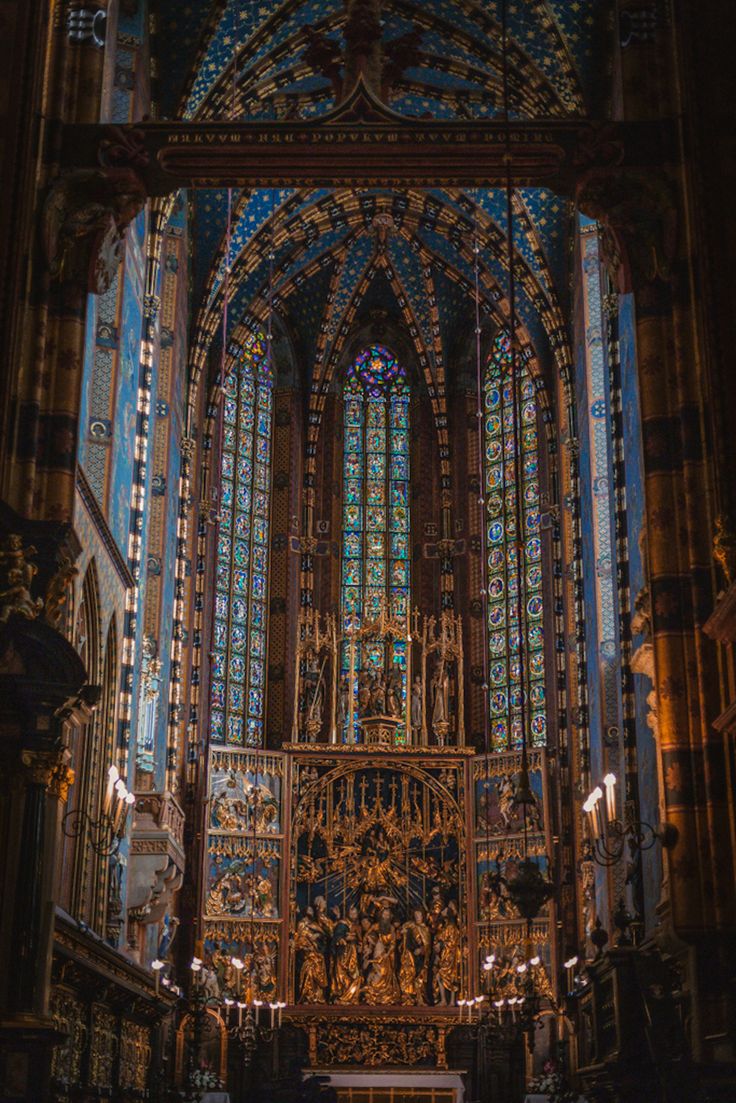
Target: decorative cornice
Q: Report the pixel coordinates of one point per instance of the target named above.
(721, 624)
(89, 951)
(433, 755)
(93, 508)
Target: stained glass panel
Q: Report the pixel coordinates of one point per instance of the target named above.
(500, 497)
(237, 696)
(375, 566)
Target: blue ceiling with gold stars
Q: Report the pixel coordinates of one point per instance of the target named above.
(332, 250)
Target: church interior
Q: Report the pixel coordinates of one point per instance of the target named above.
(367, 551)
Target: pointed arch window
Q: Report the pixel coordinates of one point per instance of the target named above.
(500, 458)
(376, 522)
(237, 699)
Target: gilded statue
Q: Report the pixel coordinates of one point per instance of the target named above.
(440, 692)
(265, 976)
(393, 708)
(382, 984)
(347, 976)
(447, 958)
(724, 548)
(310, 941)
(416, 944)
(378, 696)
(435, 907)
(364, 695)
(15, 597)
(416, 707)
(343, 703)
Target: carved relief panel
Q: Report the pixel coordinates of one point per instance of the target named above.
(502, 840)
(243, 899)
(378, 880)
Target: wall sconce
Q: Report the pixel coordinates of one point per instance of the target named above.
(105, 832)
(610, 836)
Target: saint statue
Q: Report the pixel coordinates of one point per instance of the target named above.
(343, 703)
(310, 941)
(317, 701)
(440, 684)
(416, 704)
(392, 699)
(346, 972)
(266, 976)
(447, 958)
(435, 907)
(416, 943)
(378, 696)
(382, 985)
(364, 695)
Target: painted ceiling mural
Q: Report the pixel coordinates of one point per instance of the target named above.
(409, 252)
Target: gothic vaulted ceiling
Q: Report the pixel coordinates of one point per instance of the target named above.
(335, 253)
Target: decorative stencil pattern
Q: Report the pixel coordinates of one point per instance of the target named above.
(505, 446)
(238, 674)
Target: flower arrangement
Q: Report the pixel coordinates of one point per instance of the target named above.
(204, 1080)
(552, 1084)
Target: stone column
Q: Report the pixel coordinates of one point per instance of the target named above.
(41, 694)
(47, 780)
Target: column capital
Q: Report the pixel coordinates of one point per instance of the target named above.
(50, 769)
(88, 210)
(637, 213)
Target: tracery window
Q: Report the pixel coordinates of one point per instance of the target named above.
(238, 673)
(376, 523)
(500, 496)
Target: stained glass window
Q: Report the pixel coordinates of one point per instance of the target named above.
(375, 551)
(238, 669)
(503, 613)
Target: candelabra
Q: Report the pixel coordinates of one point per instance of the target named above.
(516, 1014)
(104, 832)
(609, 836)
(252, 1024)
(248, 1020)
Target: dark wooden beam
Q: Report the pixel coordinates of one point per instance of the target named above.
(365, 144)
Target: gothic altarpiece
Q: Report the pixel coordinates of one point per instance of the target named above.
(341, 871)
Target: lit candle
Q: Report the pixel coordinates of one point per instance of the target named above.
(281, 1013)
(239, 966)
(461, 1005)
(228, 1005)
(157, 966)
(610, 783)
(592, 809)
(240, 1013)
(112, 776)
(273, 1007)
(258, 1004)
